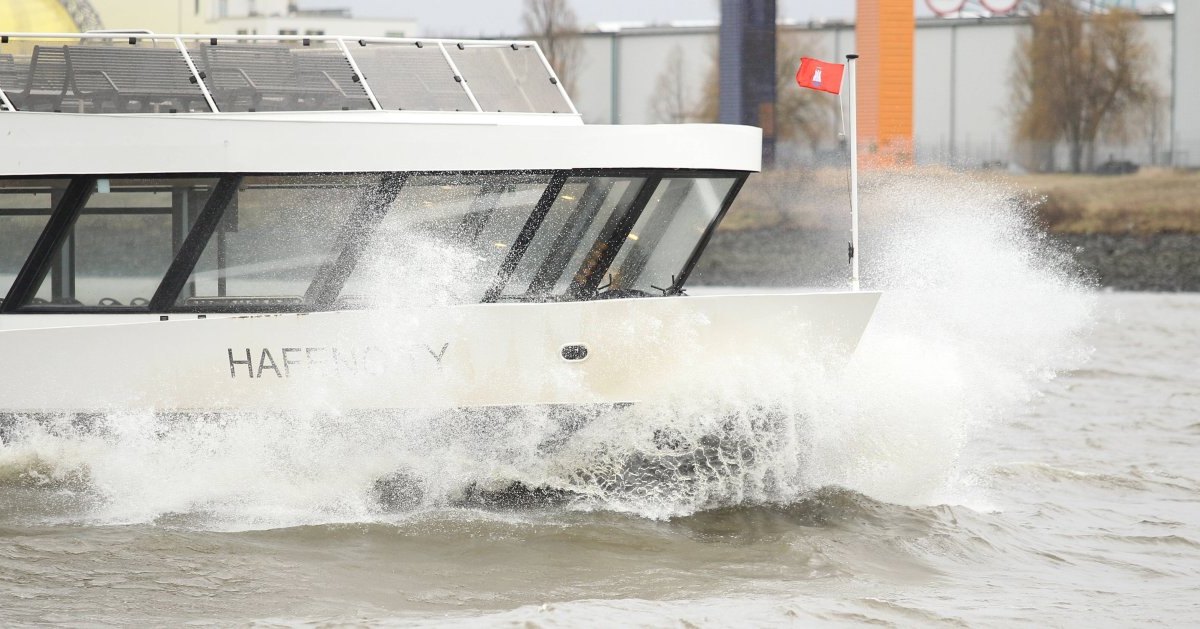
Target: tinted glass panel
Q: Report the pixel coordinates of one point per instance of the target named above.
(667, 233)
(272, 239)
(123, 241)
(25, 206)
(403, 76)
(444, 239)
(504, 78)
(99, 75)
(268, 75)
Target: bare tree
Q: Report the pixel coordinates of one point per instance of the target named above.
(709, 107)
(1078, 76)
(669, 102)
(554, 25)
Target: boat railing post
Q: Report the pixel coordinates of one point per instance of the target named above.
(459, 77)
(362, 79)
(852, 62)
(212, 104)
(8, 106)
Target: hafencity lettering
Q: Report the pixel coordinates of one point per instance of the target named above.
(286, 362)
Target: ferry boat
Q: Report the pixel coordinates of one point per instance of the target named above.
(232, 223)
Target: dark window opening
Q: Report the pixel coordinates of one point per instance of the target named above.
(25, 206)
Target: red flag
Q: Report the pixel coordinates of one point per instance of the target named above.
(820, 75)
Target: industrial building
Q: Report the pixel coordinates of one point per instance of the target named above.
(961, 83)
(633, 73)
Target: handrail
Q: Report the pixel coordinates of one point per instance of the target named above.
(212, 104)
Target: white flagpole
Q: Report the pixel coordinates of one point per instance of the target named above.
(851, 62)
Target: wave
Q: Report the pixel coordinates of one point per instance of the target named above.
(979, 312)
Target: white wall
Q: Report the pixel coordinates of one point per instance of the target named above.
(1187, 82)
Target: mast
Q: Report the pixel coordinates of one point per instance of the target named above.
(852, 62)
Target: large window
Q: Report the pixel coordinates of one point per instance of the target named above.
(444, 238)
(667, 232)
(254, 243)
(121, 242)
(274, 235)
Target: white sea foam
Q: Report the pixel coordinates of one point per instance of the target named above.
(977, 313)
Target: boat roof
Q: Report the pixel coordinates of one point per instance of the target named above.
(136, 102)
(135, 72)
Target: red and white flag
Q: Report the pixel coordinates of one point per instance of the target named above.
(820, 75)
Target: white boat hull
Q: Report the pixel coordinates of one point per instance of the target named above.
(454, 357)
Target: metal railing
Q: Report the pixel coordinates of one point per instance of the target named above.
(551, 91)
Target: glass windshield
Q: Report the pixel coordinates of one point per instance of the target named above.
(569, 232)
(667, 232)
(311, 242)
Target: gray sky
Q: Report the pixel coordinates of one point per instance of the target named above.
(503, 17)
(467, 18)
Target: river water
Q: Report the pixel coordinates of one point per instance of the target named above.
(1006, 447)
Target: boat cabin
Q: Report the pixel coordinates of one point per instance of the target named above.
(168, 173)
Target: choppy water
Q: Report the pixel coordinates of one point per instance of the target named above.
(1006, 447)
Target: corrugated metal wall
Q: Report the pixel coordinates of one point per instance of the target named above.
(960, 75)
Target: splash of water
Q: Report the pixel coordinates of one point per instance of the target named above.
(979, 310)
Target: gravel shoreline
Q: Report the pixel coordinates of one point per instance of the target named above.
(782, 257)
(1155, 262)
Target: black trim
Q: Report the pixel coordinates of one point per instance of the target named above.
(509, 266)
(331, 278)
(63, 309)
(458, 174)
(193, 246)
(55, 233)
(615, 238)
(702, 244)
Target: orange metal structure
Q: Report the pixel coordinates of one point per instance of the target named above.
(884, 35)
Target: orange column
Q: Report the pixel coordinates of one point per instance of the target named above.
(884, 33)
